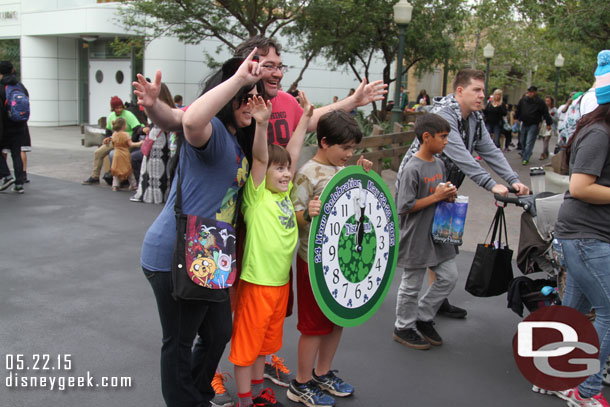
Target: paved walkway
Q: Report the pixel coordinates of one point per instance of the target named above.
(72, 285)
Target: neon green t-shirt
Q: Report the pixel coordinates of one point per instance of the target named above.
(271, 235)
(130, 119)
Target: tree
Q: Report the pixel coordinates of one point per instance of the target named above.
(356, 33)
(229, 21)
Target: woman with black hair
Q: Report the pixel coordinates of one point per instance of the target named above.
(212, 168)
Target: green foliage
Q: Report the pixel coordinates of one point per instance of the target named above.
(192, 21)
(9, 51)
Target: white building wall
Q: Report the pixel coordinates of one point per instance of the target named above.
(49, 69)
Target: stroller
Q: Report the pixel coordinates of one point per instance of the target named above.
(536, 253)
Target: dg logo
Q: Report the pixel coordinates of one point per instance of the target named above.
(556, 348)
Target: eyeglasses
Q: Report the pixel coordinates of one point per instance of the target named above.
(272, 68)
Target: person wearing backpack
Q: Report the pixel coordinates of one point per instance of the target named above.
(14, 113)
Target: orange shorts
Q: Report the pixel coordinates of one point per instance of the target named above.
(258, 322)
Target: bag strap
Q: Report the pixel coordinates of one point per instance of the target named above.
(494, 225)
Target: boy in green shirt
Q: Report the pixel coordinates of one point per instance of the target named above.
(262, 294)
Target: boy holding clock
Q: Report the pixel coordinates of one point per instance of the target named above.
(337, 133)
(420, 186)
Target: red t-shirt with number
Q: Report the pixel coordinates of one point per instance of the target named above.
(285, 116)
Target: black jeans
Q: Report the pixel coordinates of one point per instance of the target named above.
(12, 142)
(186, 376)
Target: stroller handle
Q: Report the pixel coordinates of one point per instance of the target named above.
(526, 201)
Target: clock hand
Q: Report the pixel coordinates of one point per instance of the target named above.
(360, 230)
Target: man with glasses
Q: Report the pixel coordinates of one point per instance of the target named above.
(286, 111)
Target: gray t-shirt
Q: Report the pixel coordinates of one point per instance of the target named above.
(590, 155)
(417, 250)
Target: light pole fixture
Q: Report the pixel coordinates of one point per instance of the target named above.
(488, 53)
(559, 61)
(402, 17)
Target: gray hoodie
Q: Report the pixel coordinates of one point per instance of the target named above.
(460, 151)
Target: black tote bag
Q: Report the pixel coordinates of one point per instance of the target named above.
(491, 271)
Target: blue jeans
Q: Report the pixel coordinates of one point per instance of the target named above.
(527, 138)
(186, 376)
(588, 286)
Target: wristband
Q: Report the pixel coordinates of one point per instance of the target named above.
(306, 215)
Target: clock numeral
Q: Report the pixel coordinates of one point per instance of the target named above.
(335, 276)
(378, 265)
(370, 208)
(378, 221)
(344, 210)
(381, 244)
(332, 252)
(357, 292)
(345, 286)
(369, 284)
(335, 229)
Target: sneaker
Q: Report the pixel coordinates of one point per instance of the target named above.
(309, 394)
(91, 181)
(426, 328)
(540, 390)
(277, 372)
(19, 189)
(266, 398)
(575, 400)
(135, 199)
(409, 337)
(451, 311)
(524, 162)
(333, 384)
(6, 182)
(222, 398)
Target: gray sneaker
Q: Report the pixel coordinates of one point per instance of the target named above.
(222, 397)
(6, 182)
(18, 189)
(277, 372)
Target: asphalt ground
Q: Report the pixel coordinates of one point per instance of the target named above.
(73, 290)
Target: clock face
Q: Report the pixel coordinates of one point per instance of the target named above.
(353, 245)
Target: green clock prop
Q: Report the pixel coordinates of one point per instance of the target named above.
(353, 246)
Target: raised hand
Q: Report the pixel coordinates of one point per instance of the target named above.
(314, 207)
(307, 107)
(371, 92)
(259, 109)
(145, 91)
(249, 71)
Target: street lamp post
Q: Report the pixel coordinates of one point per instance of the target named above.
(559, 61)
(402, 17)
(488, 53)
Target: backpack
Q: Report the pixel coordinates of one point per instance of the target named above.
(567, 126)
(17, 103)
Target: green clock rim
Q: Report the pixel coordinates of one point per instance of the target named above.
(343, 316)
